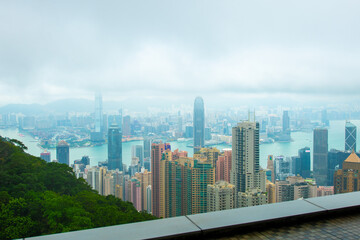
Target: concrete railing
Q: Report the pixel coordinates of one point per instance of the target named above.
(223, 222)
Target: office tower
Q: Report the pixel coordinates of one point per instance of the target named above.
(245, 169)
(46, 156)
(85, 160)
(189, 132)
(347, 179)
(115, 148)
(63, 152)
(97, 135)
(156, 155)
(199, 124)
(126, 126)
(271, 190)
(147, 147)
(119, 119)
(179, 131)
(350, 137)
(335, 162)
(320, 156)
(115, 119)
(286, 122)
(324, 119)
(304, 156)
(207, 134)
(137, 151)
(147, 164)
(220, 196)
(270, 166)
(98, 113)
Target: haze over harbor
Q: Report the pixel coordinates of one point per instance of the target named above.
(99, 153)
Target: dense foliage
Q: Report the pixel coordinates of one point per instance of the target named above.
(38, 198)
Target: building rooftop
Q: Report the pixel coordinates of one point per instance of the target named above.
(63, 143)
(353, 158)
(329, 217)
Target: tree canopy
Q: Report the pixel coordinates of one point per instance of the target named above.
(38, 198)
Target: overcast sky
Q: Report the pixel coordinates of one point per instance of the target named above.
(176, 50)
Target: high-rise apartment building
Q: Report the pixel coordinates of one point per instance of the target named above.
(245, 169)
(115, 148)
(202, 174)
(350, 137)
(137, 151)
(220, 196)
(271, 190)
(223, 166)
(270, 166)
(295, 187)
(320, 156)
(199, 124)
(63, 152)
(157, 178)
(145, 181)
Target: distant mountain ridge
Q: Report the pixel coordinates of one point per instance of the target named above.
(59, 106)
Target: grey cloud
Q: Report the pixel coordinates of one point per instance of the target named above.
(53, 50)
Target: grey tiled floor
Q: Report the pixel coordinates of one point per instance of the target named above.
(339, 227)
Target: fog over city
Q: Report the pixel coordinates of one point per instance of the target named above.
(153, 53)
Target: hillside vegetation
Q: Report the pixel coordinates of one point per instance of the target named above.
(38, 198)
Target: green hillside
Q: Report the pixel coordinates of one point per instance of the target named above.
(38, 198)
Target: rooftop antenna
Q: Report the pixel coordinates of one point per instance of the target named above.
(249, 115)
(254, 115)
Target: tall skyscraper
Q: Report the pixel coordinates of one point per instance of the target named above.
(45, 156)
(126, 126)
(320, 156)
(115, 148)
(350, 137)
(98, 113)
(304, 156)
(147, 147)
(199, 124)
(286, 122)
(63, 152)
